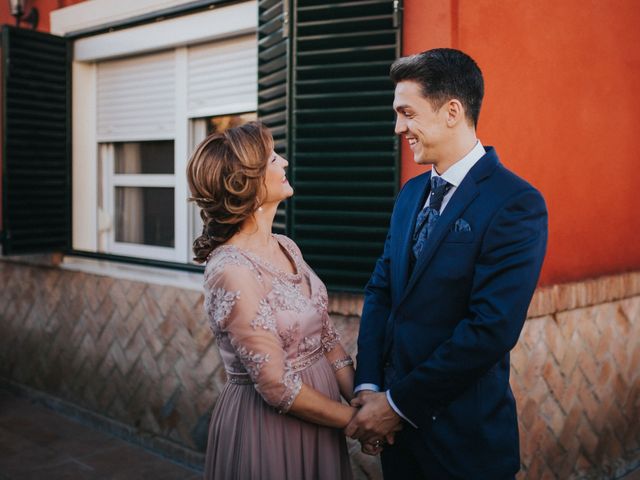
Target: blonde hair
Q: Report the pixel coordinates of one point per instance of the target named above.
(226, 175)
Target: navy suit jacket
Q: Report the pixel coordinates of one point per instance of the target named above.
(446, 328)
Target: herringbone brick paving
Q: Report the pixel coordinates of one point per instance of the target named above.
(143, 354)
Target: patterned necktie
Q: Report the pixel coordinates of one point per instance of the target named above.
(429, 215)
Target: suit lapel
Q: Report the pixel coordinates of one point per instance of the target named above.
(400, 258)
(407, 234)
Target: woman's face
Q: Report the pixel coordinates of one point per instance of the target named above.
(278, 187)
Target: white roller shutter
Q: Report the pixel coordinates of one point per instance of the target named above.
(222, 77)
(136, 98)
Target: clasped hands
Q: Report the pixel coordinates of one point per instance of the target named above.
(375, 424)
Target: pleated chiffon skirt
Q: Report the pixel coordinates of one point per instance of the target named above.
(248, 439)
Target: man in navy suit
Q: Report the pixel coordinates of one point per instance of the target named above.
(449, 295)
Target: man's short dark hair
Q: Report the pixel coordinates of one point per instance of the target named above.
(444, 74)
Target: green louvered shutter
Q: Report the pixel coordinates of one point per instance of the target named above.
(324, 89)
(35, 135)
(274, 84)
(345, 150)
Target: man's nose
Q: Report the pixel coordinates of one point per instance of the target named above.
(401, 126)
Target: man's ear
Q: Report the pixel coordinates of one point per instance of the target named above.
(455, 112)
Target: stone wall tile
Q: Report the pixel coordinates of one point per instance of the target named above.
(164, 296)
(557, 298)
(555, 381)
(552, 415)
(144, 354)
(345, 304)
(632, 372)
(168, 326)
(134, 292)
(118, 296)
(553, 338)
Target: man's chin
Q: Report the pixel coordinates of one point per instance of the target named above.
(418, 160)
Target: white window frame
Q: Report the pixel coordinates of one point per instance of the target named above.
(177, 33)
(111, 181)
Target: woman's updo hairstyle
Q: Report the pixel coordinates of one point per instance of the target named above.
(226, 175)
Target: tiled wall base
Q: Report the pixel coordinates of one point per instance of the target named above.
(142, 355)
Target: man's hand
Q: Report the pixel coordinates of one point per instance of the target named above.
(375, 420)
(360, 398)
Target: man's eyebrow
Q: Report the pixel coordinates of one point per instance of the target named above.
(401, 107)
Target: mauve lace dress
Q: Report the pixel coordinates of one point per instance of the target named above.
(273, 332)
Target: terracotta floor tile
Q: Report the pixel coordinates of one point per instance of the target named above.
(37, 443)
(69, 470)
(635, 475)
(130, 462)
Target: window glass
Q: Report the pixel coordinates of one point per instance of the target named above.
(220, 123)
(144, 157)
(145, 215)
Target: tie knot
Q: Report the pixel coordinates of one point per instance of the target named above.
(439, 188)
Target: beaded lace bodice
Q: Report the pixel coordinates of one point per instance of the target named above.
(269, 324)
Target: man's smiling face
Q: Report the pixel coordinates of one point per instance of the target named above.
(424, 128)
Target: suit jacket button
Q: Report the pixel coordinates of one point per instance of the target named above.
(433, 418)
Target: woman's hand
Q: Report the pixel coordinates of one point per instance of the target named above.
(373, 447)
(315, 407)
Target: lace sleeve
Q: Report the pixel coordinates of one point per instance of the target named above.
(248, 319)
(330, 336)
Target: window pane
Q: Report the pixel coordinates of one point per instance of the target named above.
(145, 215)
(144, 157)
(221, 123)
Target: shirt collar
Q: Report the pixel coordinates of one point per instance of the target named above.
(456, 172)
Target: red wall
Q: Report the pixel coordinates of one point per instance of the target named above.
(562, 102)
(44, 8)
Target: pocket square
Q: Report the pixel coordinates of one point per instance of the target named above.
(461, 225)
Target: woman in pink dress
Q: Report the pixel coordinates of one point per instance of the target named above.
(279, 415)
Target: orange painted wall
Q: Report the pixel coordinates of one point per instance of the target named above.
(562, 108)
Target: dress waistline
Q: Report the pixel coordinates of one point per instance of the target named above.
(297, 365)
(306, 361)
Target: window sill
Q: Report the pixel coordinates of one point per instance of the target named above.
(139, 273)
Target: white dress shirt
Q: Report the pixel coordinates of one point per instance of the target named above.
(456, 172)
(454, 175)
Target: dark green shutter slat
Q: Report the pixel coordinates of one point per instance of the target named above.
(343, 170)
(36, 169)
(274, 82)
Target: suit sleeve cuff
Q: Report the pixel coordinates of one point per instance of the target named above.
(397, 410)
(366, 386)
